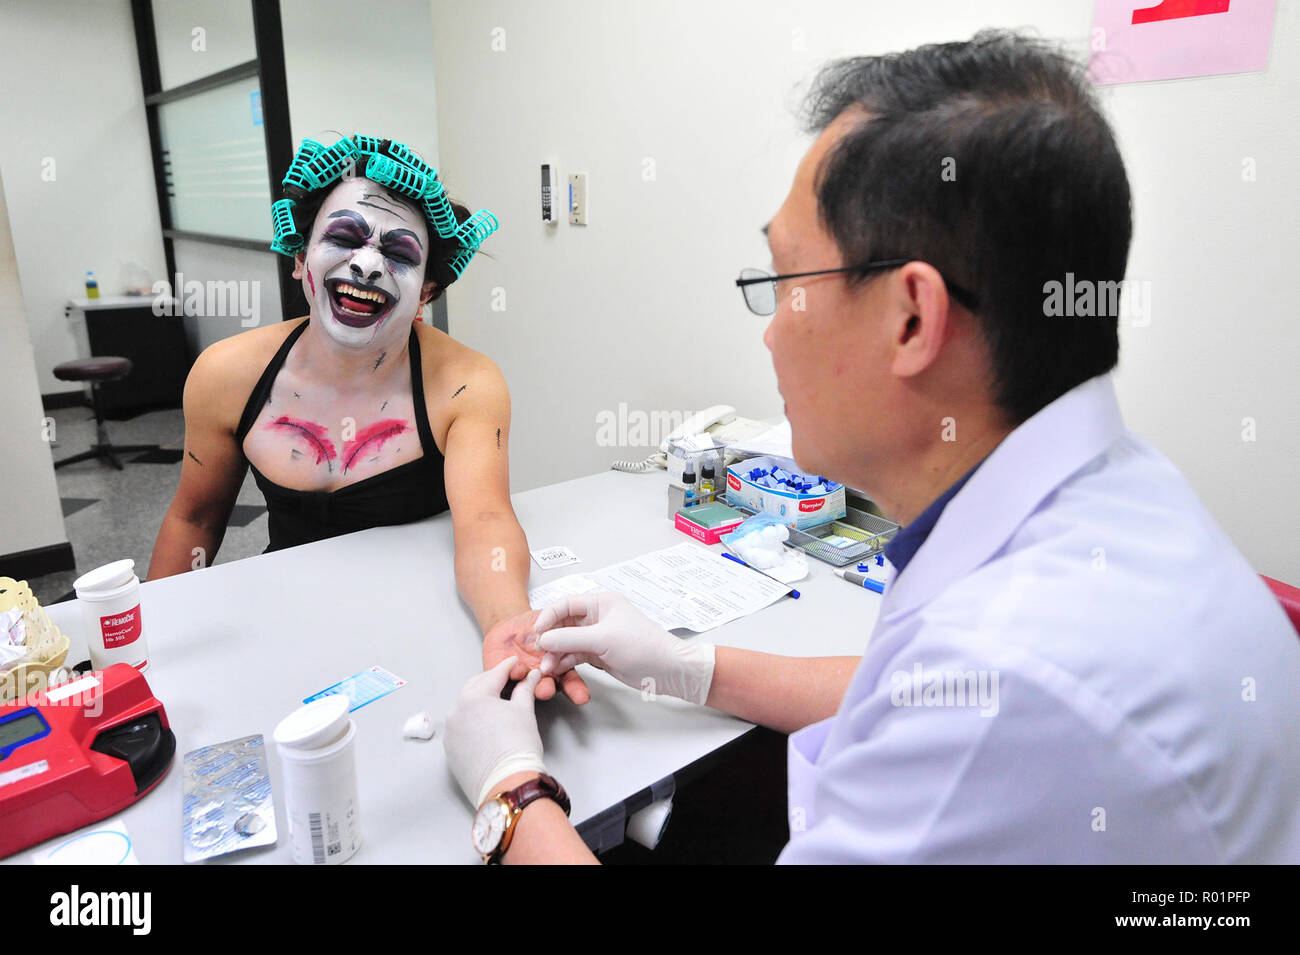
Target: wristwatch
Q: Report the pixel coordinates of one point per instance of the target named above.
(494, 823)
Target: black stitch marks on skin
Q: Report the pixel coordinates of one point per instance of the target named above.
(295, 454)
(498, 437)
(460, 389)
(322, 452)
(383, 406)
(380, 360)
(296, 395)
(196, 460)
(379, 436)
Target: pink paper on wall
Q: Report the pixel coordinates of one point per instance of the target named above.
(1135, 40)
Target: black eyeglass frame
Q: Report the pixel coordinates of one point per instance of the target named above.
(963, 297)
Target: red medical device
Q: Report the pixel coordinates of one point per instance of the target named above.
(78, 752)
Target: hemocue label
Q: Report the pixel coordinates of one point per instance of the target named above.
(120, 629)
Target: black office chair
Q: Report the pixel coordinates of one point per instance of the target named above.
(96, 371)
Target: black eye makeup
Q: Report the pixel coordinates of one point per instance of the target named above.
(400, 245)
(401, 252)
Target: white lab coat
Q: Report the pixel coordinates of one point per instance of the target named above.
(1147, 698)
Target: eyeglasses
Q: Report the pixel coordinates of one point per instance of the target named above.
(758, 286)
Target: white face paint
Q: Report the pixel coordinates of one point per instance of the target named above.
(371, 243)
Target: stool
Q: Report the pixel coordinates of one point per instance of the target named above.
(95, 371)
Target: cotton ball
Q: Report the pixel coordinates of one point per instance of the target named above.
(419, 726)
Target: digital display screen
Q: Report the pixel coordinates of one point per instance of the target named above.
(25, 727)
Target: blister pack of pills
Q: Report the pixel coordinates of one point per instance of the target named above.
(227, 803)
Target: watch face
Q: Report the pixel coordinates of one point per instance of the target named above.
(489, 826)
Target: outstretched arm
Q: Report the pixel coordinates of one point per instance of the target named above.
(491, 549)
(211, 473)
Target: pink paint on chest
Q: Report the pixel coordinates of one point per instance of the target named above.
(372, 436)
(314, 434)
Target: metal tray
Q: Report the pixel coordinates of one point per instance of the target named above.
(871, 534)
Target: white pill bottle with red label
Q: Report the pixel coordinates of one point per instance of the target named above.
(110, 611)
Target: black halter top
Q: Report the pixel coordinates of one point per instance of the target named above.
(406, 493)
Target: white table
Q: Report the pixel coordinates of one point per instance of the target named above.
(237, 646)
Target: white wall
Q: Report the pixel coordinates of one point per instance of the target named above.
(600, 315)
(352, 71)
(30, 513)
(1220, 254)
(73, 96)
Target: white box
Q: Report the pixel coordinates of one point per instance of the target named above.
(798, 510)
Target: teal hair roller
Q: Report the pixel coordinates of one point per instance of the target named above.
(476, 228)
(297, 177)
(287, 239)
(389, 172)
(403, 155)
(439, 211)
(459, 261)
(368, 144)
(329, 165)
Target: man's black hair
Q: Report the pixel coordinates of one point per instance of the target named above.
(990, 160)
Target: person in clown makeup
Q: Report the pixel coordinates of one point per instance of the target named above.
(357, 415)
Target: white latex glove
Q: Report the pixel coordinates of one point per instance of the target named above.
(488, 738)
(605, 630)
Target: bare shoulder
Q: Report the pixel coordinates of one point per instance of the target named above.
(226, 371)
(459, 381)
(449, 366)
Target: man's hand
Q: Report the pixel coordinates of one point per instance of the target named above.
(506, 639)
(607, 631)
(488, 739)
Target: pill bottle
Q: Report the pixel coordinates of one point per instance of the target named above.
(317, 748)
(110, 612)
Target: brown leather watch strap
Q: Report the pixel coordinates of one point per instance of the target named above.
(542, 787)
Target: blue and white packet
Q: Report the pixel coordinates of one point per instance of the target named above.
(226, 801)
(362, 688)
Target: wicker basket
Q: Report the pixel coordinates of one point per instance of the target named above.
(49, 645)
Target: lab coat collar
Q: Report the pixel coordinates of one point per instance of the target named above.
(1029, 464)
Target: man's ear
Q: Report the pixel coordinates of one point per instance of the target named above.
(427, 292)
(298, 263)
(919, 310)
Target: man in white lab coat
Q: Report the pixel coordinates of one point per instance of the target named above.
(1071, 663)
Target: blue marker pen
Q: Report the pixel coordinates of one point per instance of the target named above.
(861, 580)
(793, 593)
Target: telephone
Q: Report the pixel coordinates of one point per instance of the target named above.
(720, 421)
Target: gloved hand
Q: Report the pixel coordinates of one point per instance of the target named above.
(605, 630)
(488, 738)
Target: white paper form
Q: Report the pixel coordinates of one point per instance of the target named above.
(551, 591)
(682, 587)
